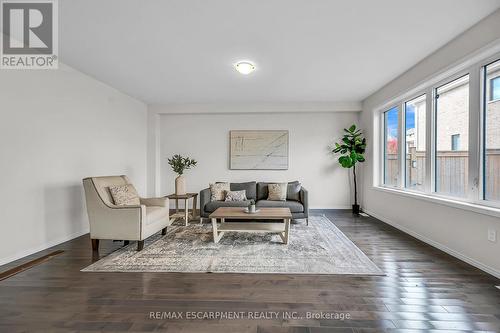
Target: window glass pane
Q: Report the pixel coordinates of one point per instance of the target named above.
(455, 142)
(492, 134)
(495, 87)
(452, 131)
(391, 160)
(415, 143)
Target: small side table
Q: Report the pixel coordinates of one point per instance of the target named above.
(185, 214)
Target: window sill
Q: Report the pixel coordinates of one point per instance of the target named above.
(481, 209)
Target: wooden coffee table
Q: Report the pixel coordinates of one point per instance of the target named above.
(224, 213)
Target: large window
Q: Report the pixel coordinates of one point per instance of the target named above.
(442, 139)
(491, 152)
(415, 114)
(452, 136)
(391, 156)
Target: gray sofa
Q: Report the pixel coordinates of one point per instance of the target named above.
(297, 202)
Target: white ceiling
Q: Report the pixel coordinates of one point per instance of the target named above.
(182, 51)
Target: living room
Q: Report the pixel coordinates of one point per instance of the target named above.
(265, 166)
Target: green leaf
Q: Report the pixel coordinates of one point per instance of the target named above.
(352, 128)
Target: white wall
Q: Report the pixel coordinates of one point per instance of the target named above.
(460, 232)
(205, 137)
(57, 127)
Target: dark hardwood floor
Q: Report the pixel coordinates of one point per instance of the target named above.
(425, 290)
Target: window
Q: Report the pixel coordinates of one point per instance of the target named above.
(455, 142)
(452, 118)
(415, 143)
(495, 89)
(491, 151)
(391, 158)
(442, 138)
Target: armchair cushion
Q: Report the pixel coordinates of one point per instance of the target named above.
(124, 195)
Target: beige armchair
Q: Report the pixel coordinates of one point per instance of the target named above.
(129, 223)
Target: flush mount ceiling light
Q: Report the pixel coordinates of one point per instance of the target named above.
(244, 67)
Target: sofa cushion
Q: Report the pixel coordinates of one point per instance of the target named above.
(262, 191)
(249, 187)
(213, 205)
(293, 191)
(236, 196)
(277, 191)
(295, 206)
(124, 195)
(218, 191)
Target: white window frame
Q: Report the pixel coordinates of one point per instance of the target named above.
(428, 106)
(484, 100)
(474, 66)
(383, 145)
(472, 139)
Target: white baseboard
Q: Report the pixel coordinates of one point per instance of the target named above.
(42, 247)
(331, 207)
(444, 248)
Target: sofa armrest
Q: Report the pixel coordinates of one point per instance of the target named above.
(304, 198)
(162, 202)
(204, 199)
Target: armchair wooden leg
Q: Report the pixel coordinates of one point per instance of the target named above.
(307, 221)
(95, 245)
(125, 243)
(140, 245)
(164, 231)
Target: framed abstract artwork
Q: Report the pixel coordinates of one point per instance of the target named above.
(258, 150)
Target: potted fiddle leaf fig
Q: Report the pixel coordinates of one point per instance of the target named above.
(179, 164)
(351, 149)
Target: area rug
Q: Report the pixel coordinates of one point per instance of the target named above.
(320, 248)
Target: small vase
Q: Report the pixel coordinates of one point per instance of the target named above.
(251, 209)
(180, 185)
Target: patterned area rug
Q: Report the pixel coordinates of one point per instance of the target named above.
(320, 248)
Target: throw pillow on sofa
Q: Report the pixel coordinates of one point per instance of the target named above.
(293, 191)
(236, 195)
(124, 195)
(218, 191)
(277, 192)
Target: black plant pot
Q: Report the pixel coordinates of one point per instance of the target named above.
(355, 209)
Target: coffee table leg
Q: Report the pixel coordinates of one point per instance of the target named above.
(186, 212)
(217, 236)
(287, 231)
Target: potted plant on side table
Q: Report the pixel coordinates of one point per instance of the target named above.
(352, 149)
(179, 164)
